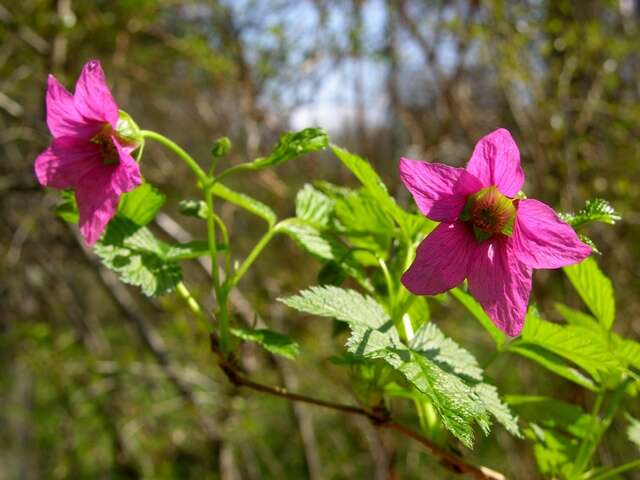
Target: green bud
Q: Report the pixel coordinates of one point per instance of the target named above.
(193, 208)
(128, 130)
(221, 147)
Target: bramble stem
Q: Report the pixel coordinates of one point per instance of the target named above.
(379, 416)
(179, 151)
(618, 470)
(221, 296)
(253, 255)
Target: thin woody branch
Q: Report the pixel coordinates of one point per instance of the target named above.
(380, 416)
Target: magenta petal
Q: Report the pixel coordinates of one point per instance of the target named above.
(63, 119)
(97, 202)
(542, 240)
(66, 161)
(127, 175)
(92, 98)
(441, 260)
(501, 284)
(496, 161)
(439, 191)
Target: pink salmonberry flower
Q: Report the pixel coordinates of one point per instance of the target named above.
(487, 234)
(87, 154)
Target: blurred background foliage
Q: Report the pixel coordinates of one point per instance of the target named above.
(99, 382)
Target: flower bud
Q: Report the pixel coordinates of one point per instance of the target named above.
(221, 147)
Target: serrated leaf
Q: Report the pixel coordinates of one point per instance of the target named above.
(554, 414)
(272, 341)
(626, 351)
(479, 314)
(433, 344)
(189, 250)
(595, 289)
(245, 202)
(67, 208)
(339, 303)
(364, 172)
(292, 145)
(584, 347)
(323, 247)
(553, 363)
(576, 317)
(313, 206)
(133, 252)
(633, 431)
(595, 210)
(554, 452)
(141, 204)
(501, 412)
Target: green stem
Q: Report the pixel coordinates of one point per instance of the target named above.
(253, 255)
(221, 296)
(618, 470)
(243, 167)
(175, 148)
(193, 305)
(582, 459)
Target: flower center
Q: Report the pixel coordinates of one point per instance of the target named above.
(489, 213)
(104, 140)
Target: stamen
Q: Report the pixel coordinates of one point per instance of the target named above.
(108, 150)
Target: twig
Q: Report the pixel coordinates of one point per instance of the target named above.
(379, 415)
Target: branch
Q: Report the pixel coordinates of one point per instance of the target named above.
(379, 415)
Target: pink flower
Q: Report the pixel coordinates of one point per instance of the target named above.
(487, 235)
(87, 154)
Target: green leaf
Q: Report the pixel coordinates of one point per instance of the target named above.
(313, 206)
(372, 182)
(432, 343)
(132, 251)
(67, 208)
(292, 145)
(141, 204)
(189, 250)
(246, 202)
(552, 363)
(193, 208)
(476, 310)
(339, 303)
(595, 210)
(633, 431)
(553, 414)
(554, 451)
(626, 351)
(576, 317)
(595, 289)
(272, 341)
(586, 348)
(323, 247)
(489, 396)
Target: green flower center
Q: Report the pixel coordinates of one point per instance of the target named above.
(107, 148)
(489, 213)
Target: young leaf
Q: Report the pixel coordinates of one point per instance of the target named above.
(595, 210)
(489, 396)
(141, 204)
(554, 451)
(292, 145)
(313, 206)
(246, 202)
(193, 208)
(189, 250)
(67, 208)
(476, 310)
(595, 289)
(342, 304)
(272, 341)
